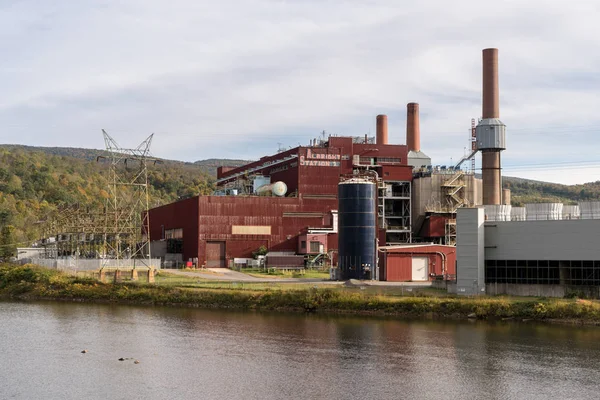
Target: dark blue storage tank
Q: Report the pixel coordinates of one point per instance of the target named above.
(357, 230)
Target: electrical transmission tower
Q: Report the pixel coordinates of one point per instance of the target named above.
(127, 230)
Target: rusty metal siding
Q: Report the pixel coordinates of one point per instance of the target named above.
(258, 163)
(398, 267)
(434, 227)
(320, 179)
(437, 226)
(215, 254)
(217, 214)
(395, 173)
(243, 248)
(387, 151)
(182, 214)
(343, 143)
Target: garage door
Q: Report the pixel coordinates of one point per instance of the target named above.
(419, 268)
(215, 254)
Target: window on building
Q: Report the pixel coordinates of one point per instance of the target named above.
(174, 233)
(315, 247)
(367, 160)
(388, 160)
(303, 244)
(174, 246)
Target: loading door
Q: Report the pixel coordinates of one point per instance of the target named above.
(419, 268)
(215, 254)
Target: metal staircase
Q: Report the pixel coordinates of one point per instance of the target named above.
(455, 192)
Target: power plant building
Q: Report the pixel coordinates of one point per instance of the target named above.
(540, 256)
(214, 230)
(288, 202)
(284, 201)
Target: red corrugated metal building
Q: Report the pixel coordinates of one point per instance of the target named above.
(417, 262)
(216, 229)
(315, 171)
(434, 226)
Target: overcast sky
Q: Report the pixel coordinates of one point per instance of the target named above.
(233, 79)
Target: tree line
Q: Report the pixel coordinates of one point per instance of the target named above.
(35, 183)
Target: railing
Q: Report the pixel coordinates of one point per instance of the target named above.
(81, 264)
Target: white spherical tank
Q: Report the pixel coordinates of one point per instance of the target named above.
(278, 189)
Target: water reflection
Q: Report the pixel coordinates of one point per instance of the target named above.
(191, 353)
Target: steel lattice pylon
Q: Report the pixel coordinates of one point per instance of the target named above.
(127, 230)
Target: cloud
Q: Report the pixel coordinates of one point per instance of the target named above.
(234, 79)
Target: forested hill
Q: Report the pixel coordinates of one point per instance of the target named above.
(209, 166)
(35, 181)
(527, 191)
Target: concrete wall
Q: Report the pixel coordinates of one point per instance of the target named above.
(470, 255)
(30, 252)
(512, 289)
(542, 240)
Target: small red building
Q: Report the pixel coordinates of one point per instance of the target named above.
(312, 243)
(417, 262)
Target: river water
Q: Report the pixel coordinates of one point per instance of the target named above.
(207, 354)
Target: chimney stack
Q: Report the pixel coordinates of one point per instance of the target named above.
(413, 130)
(506, 197)
(491, 132)
(491, 96)
(382, 129)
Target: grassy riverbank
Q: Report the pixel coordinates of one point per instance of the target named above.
(34, 283)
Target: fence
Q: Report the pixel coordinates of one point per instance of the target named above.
(75, 264)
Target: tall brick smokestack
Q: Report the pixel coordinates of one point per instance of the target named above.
(491, 95)
(413, 129)
(490, 150)
(382, 129)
